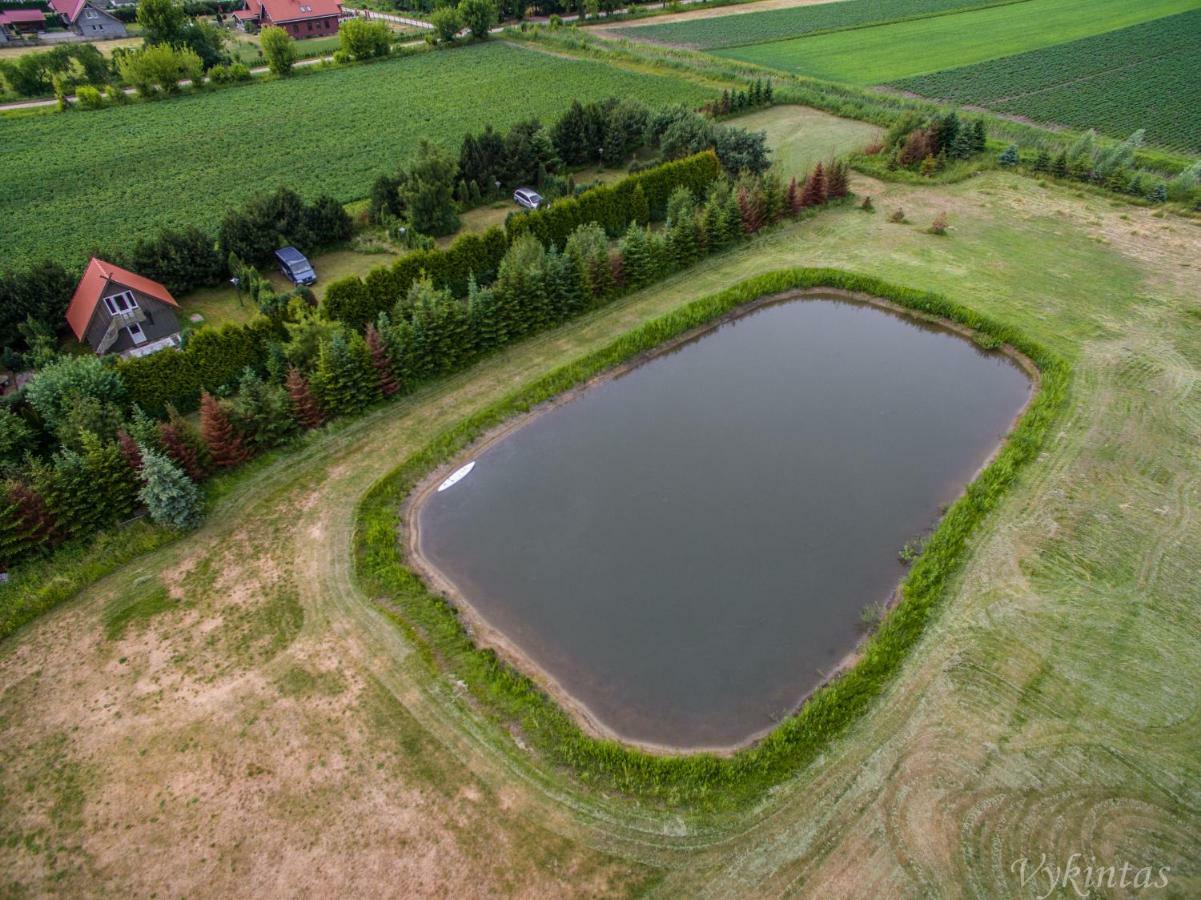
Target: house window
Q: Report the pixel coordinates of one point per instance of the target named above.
(121, 303)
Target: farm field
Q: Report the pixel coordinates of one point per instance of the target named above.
(1145, 76)
(238, 709)
(119, 174)
(884, 53)
(772, 25)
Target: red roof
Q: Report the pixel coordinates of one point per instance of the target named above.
(293, 10)
(13, 16)
(91, 288)
(68, 9)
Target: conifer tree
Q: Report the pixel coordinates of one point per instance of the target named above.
(381, 361)
(225, 445)
(129, 450)
(836, 185)
(634, 256)
(26, 525)
(171, 498)
(304, 402)
(814, 192)
(978, 136)
(345, 380)
(181, 443)
(114, 483)
(793, 197)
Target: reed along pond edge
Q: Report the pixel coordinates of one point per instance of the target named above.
(565, 737)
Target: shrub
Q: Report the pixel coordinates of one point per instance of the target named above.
(939, 225)
(280, 50)
(445, 20)
(89, 97)
(897, 216)
(170, 497)
(159, 67)
(479, 16)
(363, 39)
(1009, 156)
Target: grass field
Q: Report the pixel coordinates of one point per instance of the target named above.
(1145, 76)
(800, 137)
(887, 52)
(774, 25)
(122, 173)
(268, 729)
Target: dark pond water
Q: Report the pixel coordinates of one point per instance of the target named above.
(688, 547)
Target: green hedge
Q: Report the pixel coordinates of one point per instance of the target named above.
(210, 358)
(639, 197)
(358, 301)
(700, 780)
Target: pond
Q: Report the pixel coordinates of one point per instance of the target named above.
(685, 550)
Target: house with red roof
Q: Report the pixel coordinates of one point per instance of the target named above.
(114, 310)
(86, 17)
(21, 21)
(300, 18)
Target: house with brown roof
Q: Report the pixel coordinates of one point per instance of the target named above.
(118, 311)
(300, 18)
(86, 17)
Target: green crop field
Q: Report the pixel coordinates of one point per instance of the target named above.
(1145, 76)
(887, 52)
(778, 24)
(88, 180)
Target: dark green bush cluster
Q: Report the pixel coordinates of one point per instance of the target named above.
(270, 221)
(59, 69)
(699, 780)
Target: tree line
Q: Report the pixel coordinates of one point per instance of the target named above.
(84, 453)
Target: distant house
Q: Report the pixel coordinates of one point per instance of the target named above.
(117, 311)
(88, 19)
(21, 21)
(300, 18)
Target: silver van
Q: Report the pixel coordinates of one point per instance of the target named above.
(527, 197)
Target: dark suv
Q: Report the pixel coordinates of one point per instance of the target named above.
(296, 268)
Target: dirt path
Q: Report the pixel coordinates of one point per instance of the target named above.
(273, 733)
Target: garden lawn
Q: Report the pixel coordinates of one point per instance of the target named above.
(888, 52)
(86, 180)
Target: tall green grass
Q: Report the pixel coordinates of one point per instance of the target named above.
(699, 781)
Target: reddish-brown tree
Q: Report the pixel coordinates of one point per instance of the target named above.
(917, 147)
(793, 197)
(224, 443)
(304, 404)
(177, 446)
(381, 360)
(617, 270)
(814, 193)
(751, 209)
(836, 184)
(130, 451)
(33, 525)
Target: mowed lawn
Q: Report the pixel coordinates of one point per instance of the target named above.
(800, 136)
(901, 49)
(85, 180)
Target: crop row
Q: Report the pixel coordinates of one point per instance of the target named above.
(75, 182)
(777, 24)
(1144, 76)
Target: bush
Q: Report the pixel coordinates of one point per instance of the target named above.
(170, 497)
(88, 97)
(479, 16)
(280, 50)
(939, 225)
(1009, 156)
(159, 68)
(364, 39)
(445, 20)
(181, 260)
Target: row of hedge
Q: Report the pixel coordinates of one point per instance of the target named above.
(637, 198)
(701, 780)
(210, 358)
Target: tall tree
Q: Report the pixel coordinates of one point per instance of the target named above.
(280, 50)
(224, 443)
(304, 402)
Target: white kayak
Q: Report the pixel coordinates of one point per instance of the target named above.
(456, 476)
